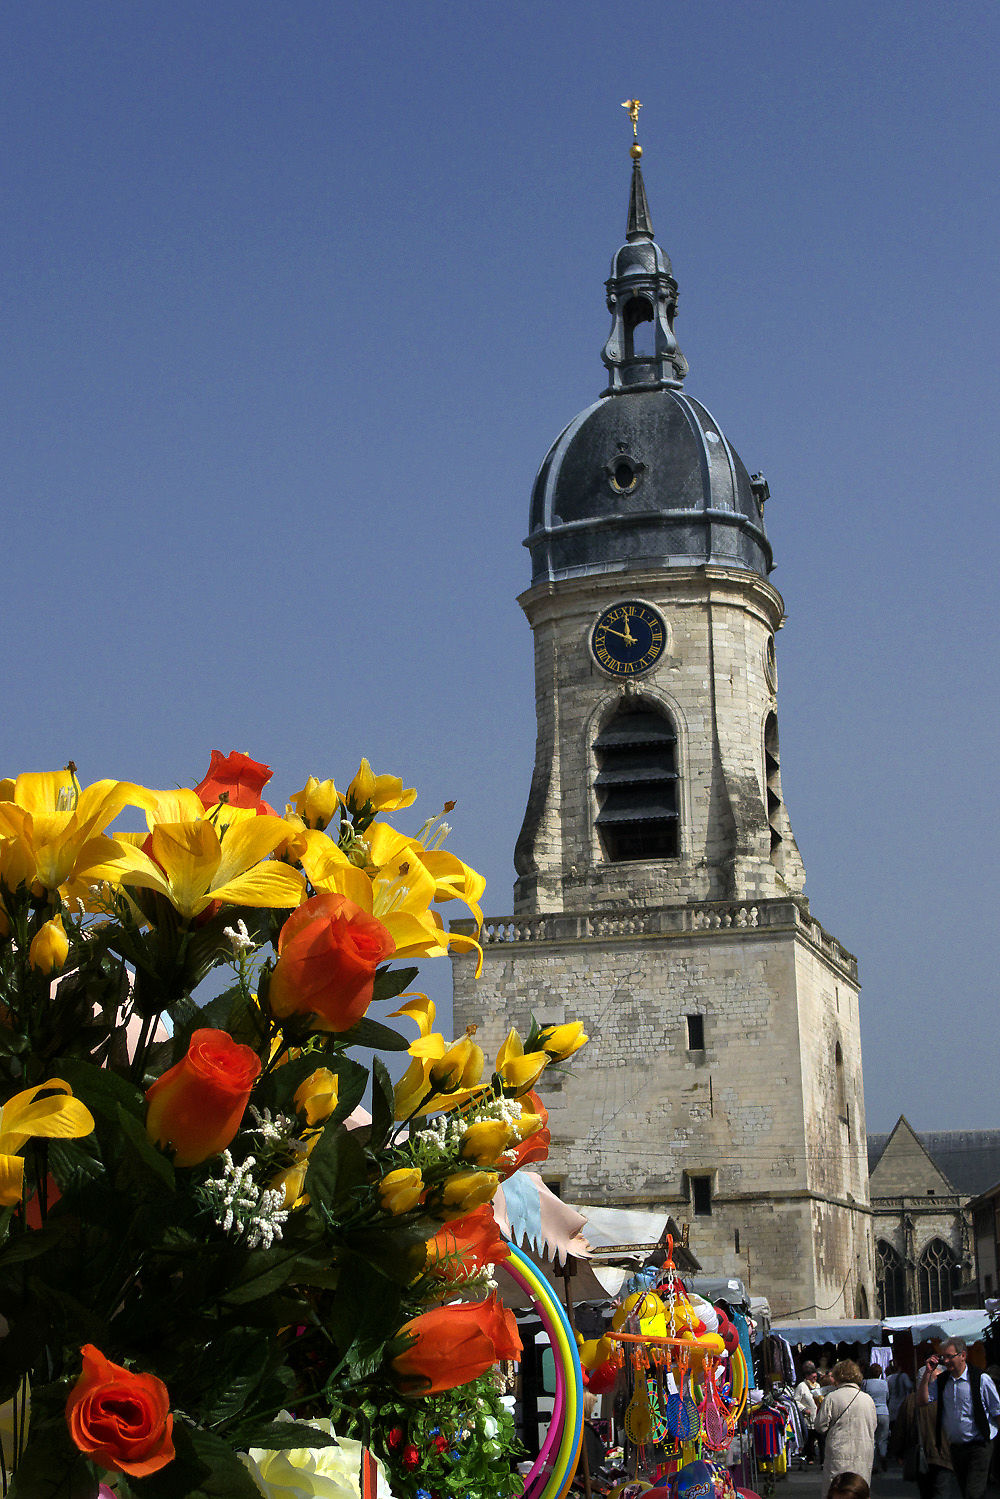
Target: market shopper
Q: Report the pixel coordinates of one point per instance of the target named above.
(808, 1397)
(848, 1486)
(900, 1385)
(914, 1440)
(847, 1418)
(877, 1386)
(968, 1413)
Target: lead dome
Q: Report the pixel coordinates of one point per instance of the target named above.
(645, 476)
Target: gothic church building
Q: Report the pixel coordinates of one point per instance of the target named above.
(659, 888)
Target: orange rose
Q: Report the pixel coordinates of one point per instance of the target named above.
(120, 1419)
(197, 1105)
(238, 778)
(467, 1244)
(453, 1344)
(328, 951)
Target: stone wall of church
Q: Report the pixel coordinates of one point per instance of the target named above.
(754, 1110)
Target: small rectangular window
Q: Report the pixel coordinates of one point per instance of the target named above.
(554, 1184)
(696, 1032)
(701, 1196)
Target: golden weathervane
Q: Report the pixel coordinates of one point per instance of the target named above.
(633, 106)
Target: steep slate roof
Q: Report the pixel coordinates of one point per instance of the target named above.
(970, 1159)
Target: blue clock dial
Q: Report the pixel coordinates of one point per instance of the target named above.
(628, 638)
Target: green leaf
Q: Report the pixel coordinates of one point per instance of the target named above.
(264, 1271)
(28, 1246)
(373, 1033)
(336, 1166)
(383, 1104)
(52, 1468)
(151, 1159)
(277, 1436)
(205, 1467)
(390, 982)
(102, 1090)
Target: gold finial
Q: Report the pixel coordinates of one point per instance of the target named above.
(633, 106)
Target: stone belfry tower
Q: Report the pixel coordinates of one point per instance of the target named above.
(659, 887)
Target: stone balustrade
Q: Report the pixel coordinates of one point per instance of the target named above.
(662, 921)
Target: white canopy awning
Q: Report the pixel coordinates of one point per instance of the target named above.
(958, 1323)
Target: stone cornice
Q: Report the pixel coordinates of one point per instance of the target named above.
(682, 585)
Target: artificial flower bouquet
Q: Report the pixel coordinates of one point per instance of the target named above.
(228, 1245)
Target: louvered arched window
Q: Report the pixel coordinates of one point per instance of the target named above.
(636, 754)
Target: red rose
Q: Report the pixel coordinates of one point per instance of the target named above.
(328, 951)
(465, 1245)
(411, 1457)
(236, 777)
(120, 1419)
(198, 1104)
(453, 1344)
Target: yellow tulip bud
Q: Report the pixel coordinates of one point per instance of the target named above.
(316, 803)
(49, 947)
(317, 1096)
(484, 1141)
(291, 1181)
(401, 1190)
(383, 793)
(561, 1041)
(447, 1072)
(518, 1072)
(467, 1190)
(529, 1124)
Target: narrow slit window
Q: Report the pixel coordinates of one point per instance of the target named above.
(701, 1196)
(696, 1032)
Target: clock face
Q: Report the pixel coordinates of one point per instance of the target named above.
(628, 639)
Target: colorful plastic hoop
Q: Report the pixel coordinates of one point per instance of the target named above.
(552, 1471)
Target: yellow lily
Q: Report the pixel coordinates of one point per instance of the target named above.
(398, 891)
(193, 866)
(428, 1051)
(383, 793)
(519, 1072)
(26, 1116)
(60, 824)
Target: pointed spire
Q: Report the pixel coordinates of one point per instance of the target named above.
(638, 225)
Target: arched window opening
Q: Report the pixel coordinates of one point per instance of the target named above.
(937, 1277)
(640, 334)
(636, 785)
(890, 1280)
(772, 784)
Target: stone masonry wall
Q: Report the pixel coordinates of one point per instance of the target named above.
(641, 1113)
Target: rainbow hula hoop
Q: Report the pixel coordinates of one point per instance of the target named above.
(552, 1471)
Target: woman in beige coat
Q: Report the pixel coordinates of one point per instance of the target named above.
(848, 1418)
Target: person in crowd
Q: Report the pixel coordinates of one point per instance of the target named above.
(808, 1398)
(877, 1386)
(848, 1486)
(848, 1420)
(968, 1413)
(914, 1440)
(900, 1385)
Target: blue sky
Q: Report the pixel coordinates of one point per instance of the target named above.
(296, 297)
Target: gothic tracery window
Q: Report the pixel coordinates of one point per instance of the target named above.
(937, 1277)
(890, 1280)
(636, 785)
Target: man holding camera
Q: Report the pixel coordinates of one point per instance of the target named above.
(968, 1413)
